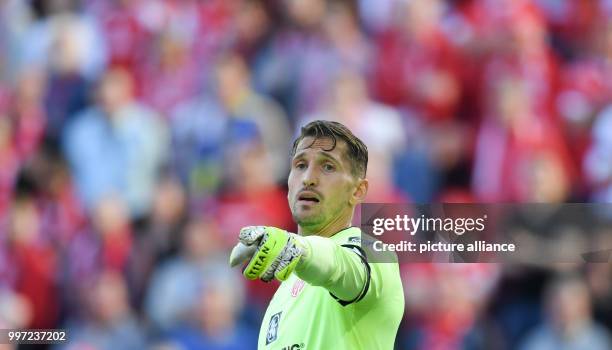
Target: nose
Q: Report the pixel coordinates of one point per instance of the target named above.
(310, 178)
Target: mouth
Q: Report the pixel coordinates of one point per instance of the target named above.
(308, 197)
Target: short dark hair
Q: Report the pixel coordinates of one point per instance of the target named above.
(357, 151)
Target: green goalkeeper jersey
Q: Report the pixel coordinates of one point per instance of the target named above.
(307, 316)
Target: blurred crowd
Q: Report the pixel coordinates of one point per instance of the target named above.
(138, 136)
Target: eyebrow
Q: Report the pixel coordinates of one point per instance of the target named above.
(325, 154)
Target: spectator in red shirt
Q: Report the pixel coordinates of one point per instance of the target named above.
(36, 263)
(417, 67)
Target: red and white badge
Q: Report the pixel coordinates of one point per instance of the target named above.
(297, 287)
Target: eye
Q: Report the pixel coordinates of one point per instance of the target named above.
(300, 165)
(329, 167)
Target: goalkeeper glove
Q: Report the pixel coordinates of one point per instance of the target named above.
(272, 252)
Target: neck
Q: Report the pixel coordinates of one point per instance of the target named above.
(328, 229)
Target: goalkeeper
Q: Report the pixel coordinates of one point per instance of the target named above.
(330, 297)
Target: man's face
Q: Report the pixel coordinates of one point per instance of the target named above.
(320, 183)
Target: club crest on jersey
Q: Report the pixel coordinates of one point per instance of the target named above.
(297, 287)
(356, 240)
(273, 328)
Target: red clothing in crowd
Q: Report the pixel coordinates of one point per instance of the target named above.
(9, 167)
(37, 267)
(420, 73)
(30, 130)
(126, 38)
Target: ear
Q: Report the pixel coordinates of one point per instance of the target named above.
(360, 192)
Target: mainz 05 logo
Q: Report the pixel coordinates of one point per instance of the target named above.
(300, 346)
(273, 328)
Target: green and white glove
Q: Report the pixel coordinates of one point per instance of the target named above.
(270, 252)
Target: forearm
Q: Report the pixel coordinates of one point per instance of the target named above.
(333, 267)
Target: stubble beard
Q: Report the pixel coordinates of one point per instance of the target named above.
(307, 220)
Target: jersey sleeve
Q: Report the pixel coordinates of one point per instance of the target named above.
(341, 269)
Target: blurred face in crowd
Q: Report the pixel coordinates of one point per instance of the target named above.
(323, 190)
(5, 132)
(341, 25)
(24, 222)
(16, 310)
(306, 13)
(569, 306)
(30, 87)
(546, 180)
(110, 216)
(201, 240)
(232, 79)
(172, 51)
(252, 163)
(252, 21)
(115, 90)
(448, 144)
(217, 309)
(512, 101)
(530, 33)
(349, 94)
(109, 299)
(422, 16)
(67, 54)
(169, 202)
